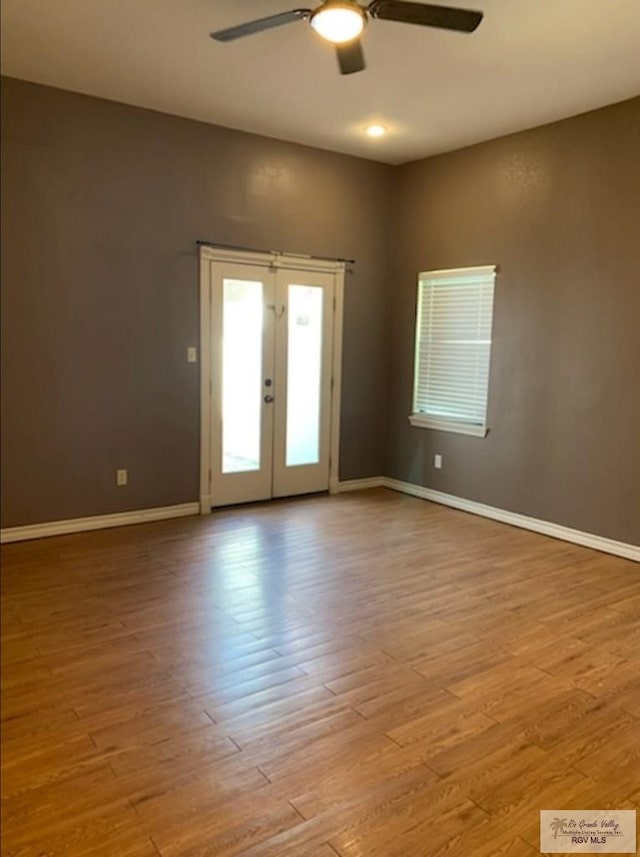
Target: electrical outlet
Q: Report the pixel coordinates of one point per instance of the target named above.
(192, 355)
(122, 477)
(437, 462)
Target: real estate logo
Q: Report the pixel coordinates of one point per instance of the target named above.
(588, 831)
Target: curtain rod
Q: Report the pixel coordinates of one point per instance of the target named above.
(202, 243)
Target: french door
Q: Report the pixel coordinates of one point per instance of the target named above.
(271, 362)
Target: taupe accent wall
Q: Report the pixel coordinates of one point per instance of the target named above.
(102, 204)
(557, 208)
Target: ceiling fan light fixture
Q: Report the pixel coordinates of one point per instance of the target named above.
(338, 22)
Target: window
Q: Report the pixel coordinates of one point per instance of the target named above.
(453, 349)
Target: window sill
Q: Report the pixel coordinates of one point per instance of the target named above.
(423, 421)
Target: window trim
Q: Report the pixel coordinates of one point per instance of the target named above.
(431, 421)
(424, 421)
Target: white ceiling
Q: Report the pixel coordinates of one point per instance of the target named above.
(530, 62)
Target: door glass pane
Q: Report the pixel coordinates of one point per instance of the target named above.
(304, 365)
(241, 375)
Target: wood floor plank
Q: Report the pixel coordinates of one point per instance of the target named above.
(48, 762)
(365, 675)
(243, 824)
(417, 785)
(403, 826)
(359, 769)
(177, 800)
(43, 807)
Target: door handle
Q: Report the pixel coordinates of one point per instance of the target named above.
(268, 399)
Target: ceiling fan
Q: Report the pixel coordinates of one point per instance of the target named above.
(342, 22)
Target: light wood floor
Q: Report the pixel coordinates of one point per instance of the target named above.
(366, 675)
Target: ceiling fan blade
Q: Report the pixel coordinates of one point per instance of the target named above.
(350, 57)
(426, 15)
(259, 25)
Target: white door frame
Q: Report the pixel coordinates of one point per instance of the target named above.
(273, 260)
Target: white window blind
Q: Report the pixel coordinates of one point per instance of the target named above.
(453, 349)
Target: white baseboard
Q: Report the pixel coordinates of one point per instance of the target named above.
(97, 522)
(547, 528)
(357, 484)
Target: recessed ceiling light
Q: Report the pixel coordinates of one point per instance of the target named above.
(375, 130)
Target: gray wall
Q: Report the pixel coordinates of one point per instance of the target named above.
(558, 209)
(102, 204)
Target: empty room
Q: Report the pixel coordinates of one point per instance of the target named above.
(320, 428)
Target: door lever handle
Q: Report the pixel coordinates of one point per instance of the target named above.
(278, 312)
(268, 399)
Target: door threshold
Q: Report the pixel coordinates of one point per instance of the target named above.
(270, 501)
